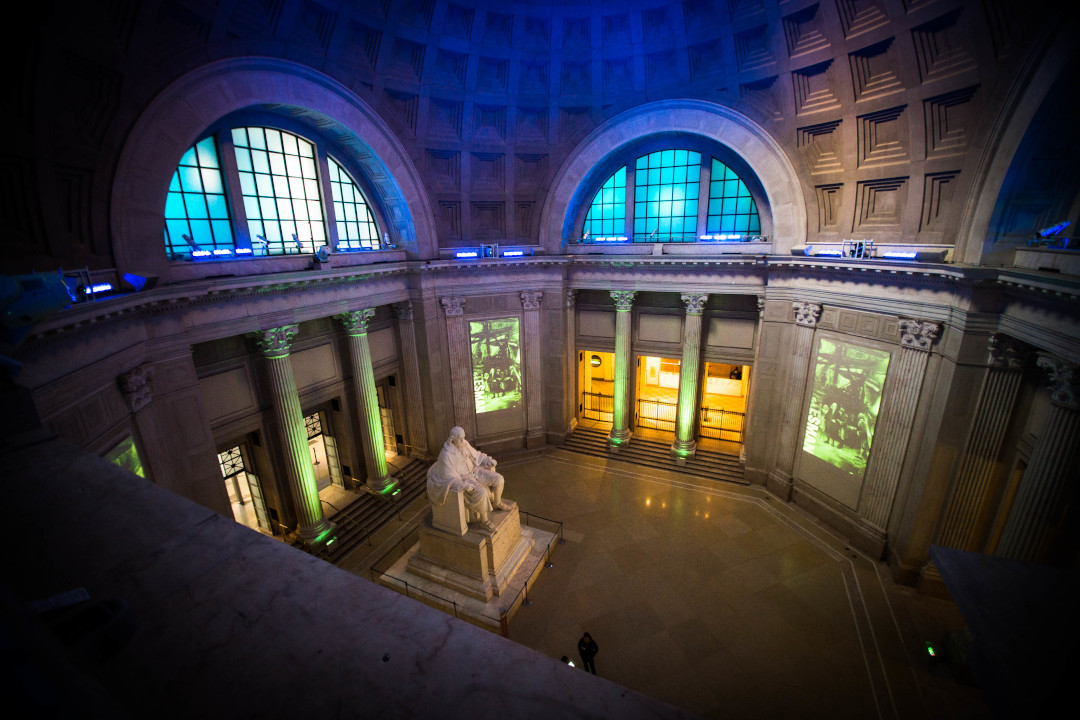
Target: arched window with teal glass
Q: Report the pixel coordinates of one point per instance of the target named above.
(607, 214)
(666, 196)
(356, 228)
(196, 211)
(281, 190)
(732, 210)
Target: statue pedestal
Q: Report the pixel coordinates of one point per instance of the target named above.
(477, 564)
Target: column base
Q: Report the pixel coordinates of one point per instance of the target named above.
(683, 450)
(618, 438)
(384, 485)
(317, 533)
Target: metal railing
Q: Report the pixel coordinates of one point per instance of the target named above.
(365, 535)
(721, 424)
(597, 406)
(656, 414)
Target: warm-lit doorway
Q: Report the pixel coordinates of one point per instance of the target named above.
(245, 492)
(723, 401)
(596, 380)
(324, 453)
(657, 393)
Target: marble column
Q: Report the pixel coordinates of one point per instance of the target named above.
(806, 318)
(573, 392)
(689, 373)
(620, 430)
(752, 387)
(371, 429)
(461, 371)
(410, 370)
(1045, 486)
(979, 461)
(898, 405)
(534, 390)
(275, 344)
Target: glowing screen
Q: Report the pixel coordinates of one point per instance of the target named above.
(496, 358)
(844, 404)
(126, 456)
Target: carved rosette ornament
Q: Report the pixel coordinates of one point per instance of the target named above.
(454, 306)
(918, 334)
(1064, 381)
(624, 299)
(135, 387)
(571, 298)
(356, 321)
(275, 342)
(695, 303)
(806, 313)
(404, 309)
(530, 299)
(1005, 352)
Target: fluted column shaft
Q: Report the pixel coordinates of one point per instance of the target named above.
(275, 344)
(457, 336)
(530, 302)
(371, 429)
(1044, 487)
(978, 465)
(689, 372)
(806, 317)
(894, 425)
(620, 430)
(410, 366)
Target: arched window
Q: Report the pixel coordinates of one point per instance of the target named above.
(246, 191)
(732, 209)
(281, 190)
(666, 195)
(674, 194)
(356, 227)
(196, 211)
(607, 214)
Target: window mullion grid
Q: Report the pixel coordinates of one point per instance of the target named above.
(329, 211)
(234, 195)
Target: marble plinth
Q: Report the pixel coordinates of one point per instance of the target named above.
(478, 563)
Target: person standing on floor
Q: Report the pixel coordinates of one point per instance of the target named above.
(588, 648)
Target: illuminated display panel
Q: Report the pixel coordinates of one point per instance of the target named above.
(844, 405)
(607, 214)
(126, 456)
(496, 358)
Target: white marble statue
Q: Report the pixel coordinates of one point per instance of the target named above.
(463, 468)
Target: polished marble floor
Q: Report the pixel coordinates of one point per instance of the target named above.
(725, 602)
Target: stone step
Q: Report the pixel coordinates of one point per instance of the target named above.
(657, 454)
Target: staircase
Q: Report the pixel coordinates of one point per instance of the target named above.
(359, 520)
(657, 454)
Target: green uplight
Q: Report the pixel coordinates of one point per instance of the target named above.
(322, 537)
(392, 489)
(930, 650)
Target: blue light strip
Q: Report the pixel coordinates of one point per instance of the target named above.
(467, 254)
(513, 253)
(98, 287)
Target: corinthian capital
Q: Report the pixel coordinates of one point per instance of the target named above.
(1006, 352)
(530, 299)
(571, 298)
(275, 342)
(695, 302)
(806, 313)
(624, 299)
(404, 309)
(356, 321)
(1064, 380)
(453, 306)
(918, 334)
(135, 387)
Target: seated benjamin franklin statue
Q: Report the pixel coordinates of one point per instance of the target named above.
(462, 468)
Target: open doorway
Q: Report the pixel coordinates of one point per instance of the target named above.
(386, 417)
(723, 401)
(245, 492)
(596, 378)
(323, 450)
(657, 393)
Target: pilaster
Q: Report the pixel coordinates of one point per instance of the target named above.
(779, 481)
(572, 390)
(534, 386)
(457, 337)
(410, 368)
